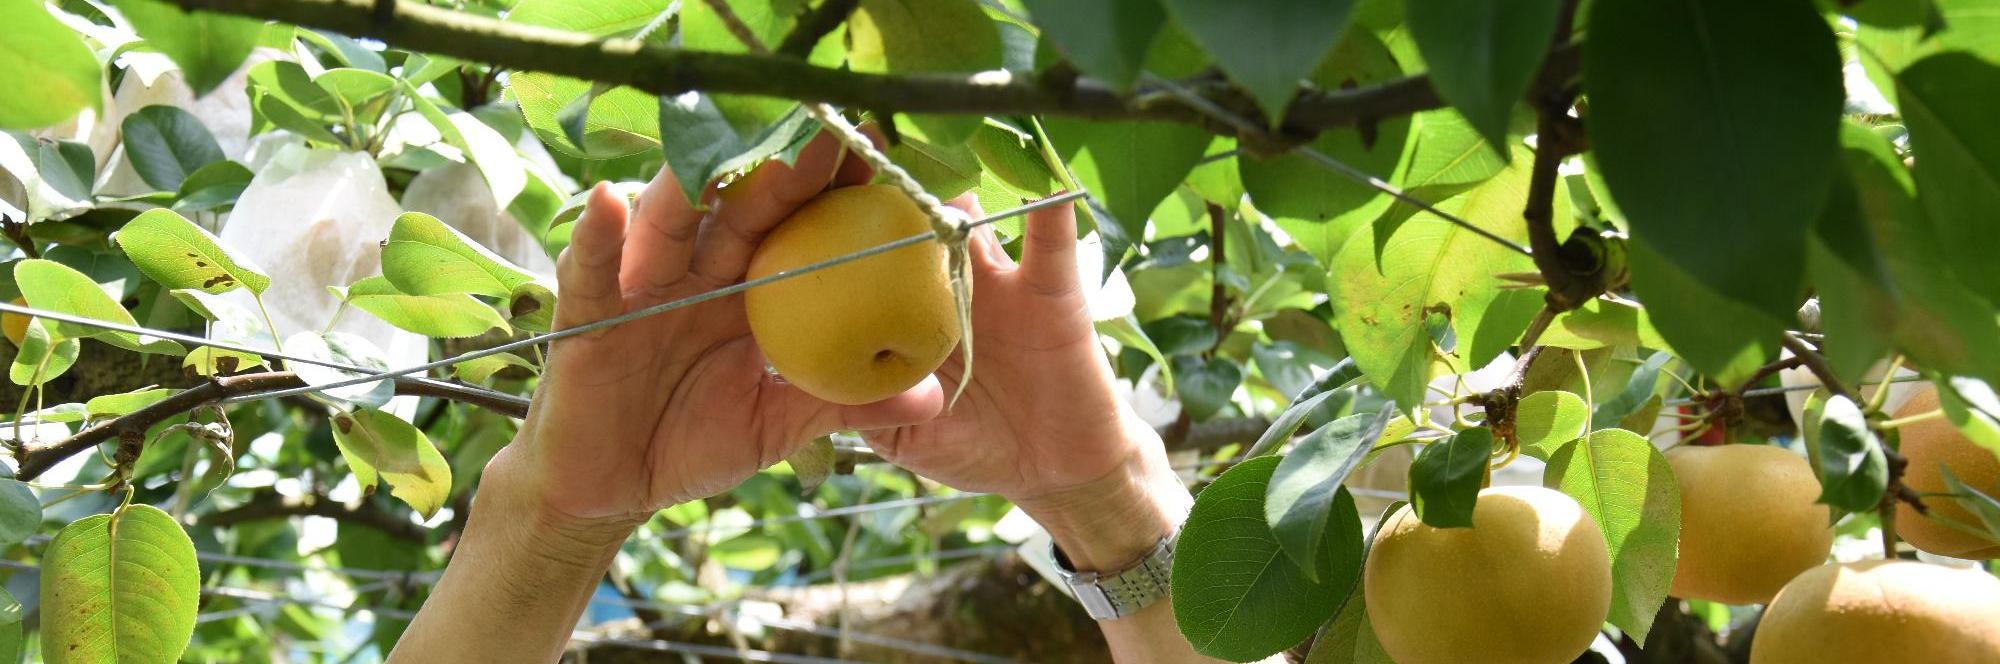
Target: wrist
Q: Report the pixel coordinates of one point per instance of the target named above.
(1110, 522)
(512, 515)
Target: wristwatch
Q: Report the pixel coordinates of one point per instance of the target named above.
(1114, 595)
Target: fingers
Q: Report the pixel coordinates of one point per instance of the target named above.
(660, 237)
(1048, 254)
(916, 405)
(749, 208)
(587, 271)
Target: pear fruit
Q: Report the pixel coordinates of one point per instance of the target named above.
(13, 325)
(1528, 583)
(861, 331)
(1882, 611)
(1932, 446)
(1749, 522)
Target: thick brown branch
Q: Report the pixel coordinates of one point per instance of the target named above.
(1573, 277)
(270, 505)
(37, 460)
(668, 71)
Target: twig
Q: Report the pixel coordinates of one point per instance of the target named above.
(670, 71)
(37, 460)
(1218, 293)
(815, 25)
(1813, 361)
(271, 505)
(1569, 275)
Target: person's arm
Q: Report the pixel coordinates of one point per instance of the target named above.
(517, 583)
(1108, 525)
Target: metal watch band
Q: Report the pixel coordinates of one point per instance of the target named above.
(1114, 595)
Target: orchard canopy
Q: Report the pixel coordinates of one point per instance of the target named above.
(278, 283)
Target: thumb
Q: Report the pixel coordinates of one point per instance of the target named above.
(1048, 254)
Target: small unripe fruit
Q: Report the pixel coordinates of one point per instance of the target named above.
(1749, 522)
(1930, 446)
(1528, 583)
(862, 331)
(1882, 611)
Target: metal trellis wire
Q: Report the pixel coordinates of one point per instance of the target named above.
(367, 375)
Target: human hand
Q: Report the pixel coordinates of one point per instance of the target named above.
(675, 406)
(1041, 423)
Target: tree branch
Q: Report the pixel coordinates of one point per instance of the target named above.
(270, 505)
(816, 25)
(1573, 276)
(669, 71)
(37, 460)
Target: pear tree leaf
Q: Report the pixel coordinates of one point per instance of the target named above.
(343, 348)
(52, 286)
(1545, 421)
(1129, 165)
(114, 405)
(1853, 471)
(166, 144)
(48, 72)
(175, 252)
(1629, 489)
(1266, 46)
(1233, 597)
(1307, 484)
(42, 356)
(925, 36)
(425, 256)
(126, 585)
(448, 316)
(1949, 103)
(1445, 478)
(1294, 186)
(1482, 54)
(208, 46)
(382, 447)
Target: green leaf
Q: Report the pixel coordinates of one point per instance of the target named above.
(42, 356)
(480, 370)
(622, 121)
(342, 348)
(1939, 322)
(771, 20)
(705, 144)
(1949, 101)
(1015, 158)
(208, 46)
(925, 36)
(1306, 487)
(1603, 325)
(1545, 421)
(1483, 53)
(1294, 186)
(482, 146)
(1969, 26)
(1286, 365)
(1233, 597)
(211, 361)
(52, 286)
(1129, 166)
(1445, 478)
(175, 252)
(1856, 305)
(59, 414)
(126, 586)
(1449, 151)
(115, 405)
(1853, 473)
(1633, 396)
(1206, 385)
(20, 517)
(1981, 504)
(1971, 405)
(1629, 489)
(1266, 46)
(945, 170)
(1348, 638)
(165, 144)
(216, 185)
(1754, 94)
(451, 315)
(601, 18)
(1382, 298)
(1181, 335)
(1105, 40)
(425, 256)
(375, 444)
(48, 72)
(11, 637)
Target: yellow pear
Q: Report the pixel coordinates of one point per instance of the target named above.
(1749, 522)
(862, 331)
(1528, 583)
(1929, 446)
(1882, 611)
(13, 325)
